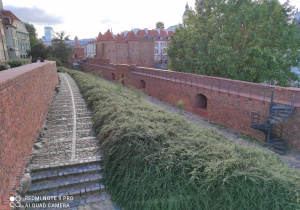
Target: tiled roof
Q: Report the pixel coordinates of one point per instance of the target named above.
(108, 36)
(91, 42)
(8, 13)
(131, 37)
(153, 32)
(141, 33)
(163, 33)
(99, 38)
(170, 33)
(119, 38)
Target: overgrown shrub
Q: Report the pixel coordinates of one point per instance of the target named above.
(58, 62)
(16, 62)
(155, 160)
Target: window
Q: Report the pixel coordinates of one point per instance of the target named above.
(201, 101)
(142, 84)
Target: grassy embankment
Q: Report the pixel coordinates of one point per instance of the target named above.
(155, 160)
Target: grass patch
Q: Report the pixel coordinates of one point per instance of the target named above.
(155, 160)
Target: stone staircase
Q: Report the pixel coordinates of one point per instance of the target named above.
(77, 184)
(65, 162)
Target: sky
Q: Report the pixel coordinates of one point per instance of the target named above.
(85, 19)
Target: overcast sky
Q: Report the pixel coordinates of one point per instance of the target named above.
(87, 18)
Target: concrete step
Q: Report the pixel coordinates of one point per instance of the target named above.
(80, 190)
(65, 182)
(65, 172)
(62, 165)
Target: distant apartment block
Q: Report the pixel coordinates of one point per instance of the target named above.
(49, 33)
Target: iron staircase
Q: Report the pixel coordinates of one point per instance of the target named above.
(269, 122)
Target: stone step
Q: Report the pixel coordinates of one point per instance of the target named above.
(81, 190)
(61, 165)
(65, 172)
(64, 182)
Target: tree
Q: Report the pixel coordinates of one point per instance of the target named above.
(32, 34)
(39, 50)
(60, 49)
(31, 30)
(160, 25)
(254, 41)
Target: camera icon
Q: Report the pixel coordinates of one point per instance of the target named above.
(15, 201)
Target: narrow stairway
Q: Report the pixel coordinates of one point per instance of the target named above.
(65, 162)
(270, 121)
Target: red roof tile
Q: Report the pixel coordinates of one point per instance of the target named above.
(153, 32)
(131, 37)
(108, 36)
(170, 33)
(12, 16)
(163, 33)
(141, 33)
(99, 38)
(119, 38)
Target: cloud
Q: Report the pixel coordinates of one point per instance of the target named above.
(35, 15)
(109, 21)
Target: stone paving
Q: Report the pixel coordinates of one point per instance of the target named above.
(65, 161)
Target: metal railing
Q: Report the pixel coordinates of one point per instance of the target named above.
(239, 88)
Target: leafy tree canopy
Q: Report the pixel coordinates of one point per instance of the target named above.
(160, 25)
(33, 41)
(246, 40)
(60, 49)
(31, 30)
(39, 50)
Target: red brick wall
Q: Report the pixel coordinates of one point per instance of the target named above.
(122, 53)
(25, 96)
(133, 52)
(99, 52)
(109, 50)
(229, 102)
(79, 52)
(146, 56)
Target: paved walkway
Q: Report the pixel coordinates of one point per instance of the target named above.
(65, 161)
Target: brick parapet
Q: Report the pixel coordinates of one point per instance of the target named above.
(26, 93)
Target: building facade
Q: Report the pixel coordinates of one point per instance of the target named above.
(129, 49)
(17, 37)
(3, 46)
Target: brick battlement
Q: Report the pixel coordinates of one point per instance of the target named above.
(224, 101)
(26, 93)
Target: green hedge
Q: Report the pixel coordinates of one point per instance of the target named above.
(153, 159)
(16, 62)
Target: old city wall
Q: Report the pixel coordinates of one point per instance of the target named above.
(109, 50)
(133, 52)
(122, 53)
(146, 48)
(26, 93)
(224, 101)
